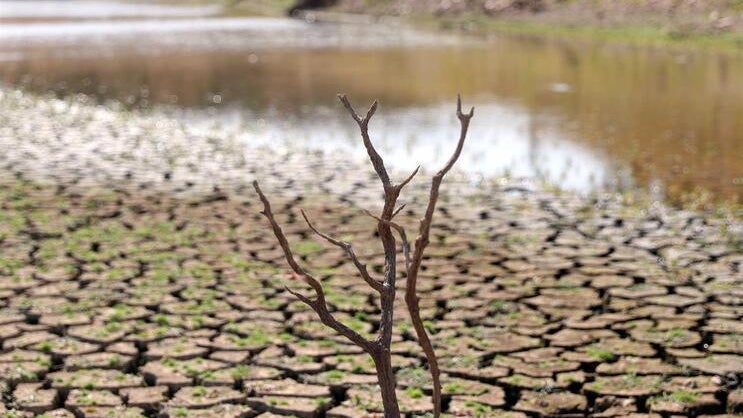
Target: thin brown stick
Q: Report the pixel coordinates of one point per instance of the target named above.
(363, 123)
(398, 210)
(410, 177)
(379, 349)
(318, 304)
(403, 236)
(348, 248)
(414, 263)
(387, 297)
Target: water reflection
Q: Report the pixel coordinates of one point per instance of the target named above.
(506, 141)
(580, 115)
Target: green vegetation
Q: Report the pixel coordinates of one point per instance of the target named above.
(180, 412)
(681, 397)
(240, 371)
(320, 402)
(255, 7)
(454, 387)
(515, 379)
(635, 34)
(684, 396)
(480, 410)
(600, 353)
(414, 392)
(335, 375)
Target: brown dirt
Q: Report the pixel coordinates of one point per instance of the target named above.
(677, 16)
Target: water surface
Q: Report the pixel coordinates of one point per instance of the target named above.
(583, 116)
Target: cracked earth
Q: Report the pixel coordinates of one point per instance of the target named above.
(137, 279)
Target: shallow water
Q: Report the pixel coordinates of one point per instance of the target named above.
(580, 115)
(39, 9)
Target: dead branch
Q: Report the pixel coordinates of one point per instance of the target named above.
(363, 123)
(318, 304)
(387, 297)
(414, 262)
(410, 177)
(403, 236)
(379, 349)
(398, 210)
(348, 248)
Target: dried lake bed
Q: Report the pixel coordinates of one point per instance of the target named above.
(138, 279)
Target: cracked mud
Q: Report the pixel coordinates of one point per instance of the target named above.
(131, 287)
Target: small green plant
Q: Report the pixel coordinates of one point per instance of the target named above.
(454, 387)
(180, 412)
(414, 392)
(681, 397)
(239, 372)
(600, 353)
(335, 375)
(480, 410)
(46, 346)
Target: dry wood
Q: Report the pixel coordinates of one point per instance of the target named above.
(318, 304)
(413, 262)
(348, 248)
(379, 348)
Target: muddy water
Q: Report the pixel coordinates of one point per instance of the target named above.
(579, 115)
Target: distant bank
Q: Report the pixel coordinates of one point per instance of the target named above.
(703, 22)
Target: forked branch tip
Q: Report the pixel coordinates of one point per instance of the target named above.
(461, 115)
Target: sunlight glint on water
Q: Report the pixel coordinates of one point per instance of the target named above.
(575, 114)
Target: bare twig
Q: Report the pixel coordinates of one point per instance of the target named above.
(403, 236)
(411, 293)
(318, 304)
(392, 224)
(387, 297)
(410, 177)
(363, 123)
(398, 210)
(348, 248)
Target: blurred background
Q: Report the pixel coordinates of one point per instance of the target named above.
(580, 95)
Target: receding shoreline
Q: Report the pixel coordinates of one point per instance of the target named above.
(73, 140)
(137, 279)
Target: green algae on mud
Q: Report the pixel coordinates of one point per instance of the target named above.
(191, 288)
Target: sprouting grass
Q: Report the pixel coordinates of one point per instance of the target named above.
(414, 392)
(600, 353)
(680, 396)
(683, 396)
(479, 409)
